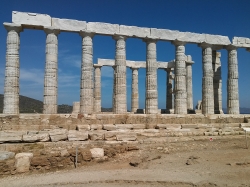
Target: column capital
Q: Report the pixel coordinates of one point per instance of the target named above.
(13, 27)
(51, 30)
(84, 33)
(149, 40)
(230, 47)
(178, 42)
(204, 45)
(118, 37)
(97, 66)
(134, 68)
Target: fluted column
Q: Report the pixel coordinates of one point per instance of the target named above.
(180, 100)
(151, 78)
(189, 83)
(87, 85)
(97, 88)
(135, 93)
(51, 71)
(11, 84)
(207, 80)
(169, 91)
(120, 87)
(232, 81)
(217, 82)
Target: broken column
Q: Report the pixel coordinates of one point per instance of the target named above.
(97, 92)
(232, 81)
(51, 71)
(151, 78)
(135, 93)
(120, 87)
(189, 84)
(169, 103)
(87, 85)
(180, 100)
(217, 82)
(207, 80)
(11, 84)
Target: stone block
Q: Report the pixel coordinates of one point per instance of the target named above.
(27, 18)
(97, 152)
(96, 126)
(43, 136)
(22, 163)
(161, 126)
(132, 31)
(58, 135)
(110, 135)
(69, 24)
(191, 37)
(74, 135)
(103, 28)
(241, 42)
(189, 126)
(124, 126)
(109, 127)
(97, 135)
(83, 127)
(126, 137)
(11, 136)
(139, 126)
(217, 39)
(164, 34)
(4, 155)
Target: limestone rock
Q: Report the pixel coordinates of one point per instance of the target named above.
(4, 155)
(43, 137)
(11, 136)
(83, 127)
(22, 163)
(124, 126)
(126, 137)
(109, 127)
(97, 152)
(97, 135)
(74, 135)
(58, 134)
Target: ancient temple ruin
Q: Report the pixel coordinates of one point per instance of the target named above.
(180, 69)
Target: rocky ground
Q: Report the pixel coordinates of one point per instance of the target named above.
(180, 161)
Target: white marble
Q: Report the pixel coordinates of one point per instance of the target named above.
(241, 42)
(133, 31)
(189, 83)
(69, 25)
(169, 90)
(103, 28)
(135, 91)
(97, 89)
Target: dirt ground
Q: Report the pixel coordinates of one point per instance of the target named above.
(184, 162)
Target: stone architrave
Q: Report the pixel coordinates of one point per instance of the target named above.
(169, 103)
(51, 71)
(120, 87)
(11, 84)
(151, 78)
(189, 84)
(217, 82)
(232, 81)
(97, 89)
(180, 100)
(135, 93)
(87, 85)
(207, 80)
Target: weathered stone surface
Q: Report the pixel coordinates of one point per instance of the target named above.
(164, 34)
(139, 126)
(22, 163)
(110, 135)
(135, 91)
(103, 28)
(126, 137)
(96, 126)
(134, 31)
(27, 18)
(97, 152)
(41, 136)
(109, 127)
(4, 155)
(69, 24)
(74, 135)
(97, 89)
(11, 136)
(241, 42)
(97, 135)
(58, 135)
(189, 83)
(83, 127)
(124, 126)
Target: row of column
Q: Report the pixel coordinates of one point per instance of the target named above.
(182, 100)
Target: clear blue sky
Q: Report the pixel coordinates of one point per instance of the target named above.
(223, 17)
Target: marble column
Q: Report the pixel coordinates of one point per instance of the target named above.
(11, 84)
(113, 97)
(169, 91)
(217, 82)
(207, 80)
(232, 81)
(97, 88)
(151, 78)
(87, 85)
(189, 83)
(120, 94)
(135, 93)
(180, 100)
(51, 71)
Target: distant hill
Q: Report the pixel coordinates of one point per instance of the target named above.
(29, 105)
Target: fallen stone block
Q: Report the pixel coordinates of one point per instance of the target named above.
(4, 155)
(42, 137)
(74, 135)
(97, 152)
(22, 163)
(126, 137)
(124, 126)
(83, 127)
(12, 136)
(58, 135)
(109, 127)
(97, 135)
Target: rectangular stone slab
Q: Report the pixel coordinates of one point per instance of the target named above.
(133, 31)
(69, 24)
(103, 28)
(27, 18)
(241, 42)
